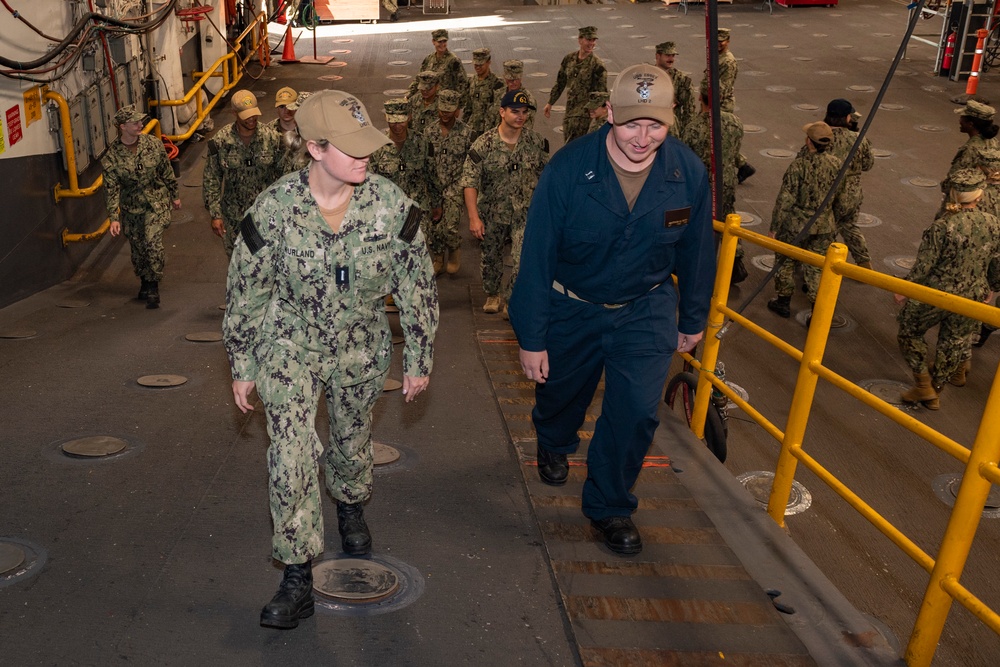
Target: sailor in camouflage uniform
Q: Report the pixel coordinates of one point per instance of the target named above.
(698, 136)
(293, 160)
(580, 74)
(841, 116)
(685, 105)
(447, 65)
(318, 252)
(728, 69)
(283, 100)
(405, 160)
(954, 256)
(976, 121)
(139, 189)
(483, 87)
(597, 109)
(513, 72)
(499, 178)
(449, 141)
(424, 106)
(243, 159)
(803, 188)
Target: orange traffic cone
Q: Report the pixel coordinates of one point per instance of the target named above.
(288, 54)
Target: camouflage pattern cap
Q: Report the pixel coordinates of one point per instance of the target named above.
(341, 119)
(666, 48)
(974, 109)
(588, 32)
(297, 104)
(448, 100)
(284, 97)
(597, 99)
(819, 133)
(128, 114)
(723, 34)
(480, 56)
(643, 91)
(513, 69)
(428, 79)
(439, 34)
(968, 180)
(245, 104)
(396, 110)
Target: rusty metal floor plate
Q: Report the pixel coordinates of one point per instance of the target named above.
(354, 580)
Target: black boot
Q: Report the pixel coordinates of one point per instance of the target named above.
(143, 290)
(294, 599)
(745, 172)
(781, 305)
(619, 534)
(354, 535)
(553, 468)
(153, 296)
(984, 333)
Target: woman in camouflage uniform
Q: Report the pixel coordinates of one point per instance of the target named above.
(976, 120)
(319, 250)
(139, 190)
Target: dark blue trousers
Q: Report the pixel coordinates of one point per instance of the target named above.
(632, 347)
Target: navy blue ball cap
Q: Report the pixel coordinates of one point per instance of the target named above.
(516, 99)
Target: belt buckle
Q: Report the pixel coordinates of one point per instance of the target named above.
(613, 306)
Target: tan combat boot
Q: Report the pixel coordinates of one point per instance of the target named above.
(438, 263)
(454, 261)
(958, 378)
(492, 304)
(922, 392)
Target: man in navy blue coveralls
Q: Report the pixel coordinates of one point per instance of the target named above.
(615, 213)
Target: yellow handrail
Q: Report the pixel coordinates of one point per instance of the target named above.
(980, 461)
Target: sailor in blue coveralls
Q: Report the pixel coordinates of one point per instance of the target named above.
(615, 214)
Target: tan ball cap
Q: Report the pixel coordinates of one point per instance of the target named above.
(643, 91)
(245, 104)
(341, 119)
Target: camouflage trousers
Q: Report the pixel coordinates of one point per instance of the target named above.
(575, 126)
(784, 280)
(953, 340)
(144, 232)
(498, 233)
(847, 228)
(229, 237)
(444, 234)
(290, 393)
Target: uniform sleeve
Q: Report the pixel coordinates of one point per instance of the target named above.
(927, 255)
(165, 171)
(781, 216)
(211, 182)
(416, 296)
(249, 286)
(695, 267)
(560, 82)
(472, 171)
(599, 80)
(865, 156)
(112, 188)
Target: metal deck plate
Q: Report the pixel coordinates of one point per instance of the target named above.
(162, 380)
(384, 454)
(392, 385)
(204, 336)
(354, 580)
(95, 446)
(11, 556)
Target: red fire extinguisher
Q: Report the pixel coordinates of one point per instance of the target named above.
(949, 52)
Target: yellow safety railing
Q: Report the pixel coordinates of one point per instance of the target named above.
(981, 470)
(229, 67)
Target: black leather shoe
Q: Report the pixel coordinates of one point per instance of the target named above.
(745, 172)
(293, 601)
(143, 291)
(153, 296)
(553, 468)
(781, 305)
(619, 534)
(984, 333)
(354, 535)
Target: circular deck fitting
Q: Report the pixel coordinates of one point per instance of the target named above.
(538, 75)
(397, 340)
(739, 391)
(162, 380)
(829, 72)
(932, 89)
(905, 72)
(872, 59)
(180, 217)
(920, 182)
(384, 454)
(758, 483)
(568, 27)
(609, 9)
(628, 25)
(204, 337)
(392, 385)
(460, 39)
(780, 46)
(400, 39)
(524, 48)
(889, 391)
(395, 92)
(881, 153)
(73, 303)
(16, 333)
(748, 219)
(348, 41)
(31, 559)
(820, 34)
(753, 129)
(336, 63)
(881, 34)
(803, 59)
(344, 52)
(779, 89)
(946, 489)
(843, 47)
(838, 323)
(549, 90)
(637, 37)
(900, 262)
(517, 38)
(868, 220)
(330, 77)
(861, 89)
(892, 107)
(763, 262)
(390, 51)
(931, 128)
(805, 107)
(532, 61)
(754, 72)
(354, 580)
(94, 446)
(11, 556)
(399, 63)
(778, 153)
(398, 77)
(559, 108)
